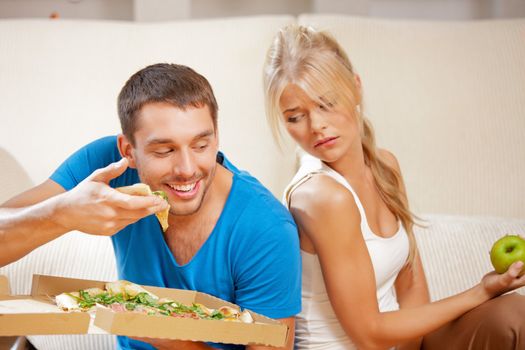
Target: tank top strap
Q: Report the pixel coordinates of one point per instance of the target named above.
(340, 179)
(312, 166)
(296, 183)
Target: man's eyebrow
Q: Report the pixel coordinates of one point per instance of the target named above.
(158, 141)
(204, 134)
(162, 141)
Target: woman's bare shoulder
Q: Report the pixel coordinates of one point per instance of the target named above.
(326, 214)
(322, 194)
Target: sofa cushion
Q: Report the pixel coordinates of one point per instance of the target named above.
(455, 250)
(13, 177)
(76, 342)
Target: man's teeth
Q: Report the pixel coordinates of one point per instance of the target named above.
(183, 188)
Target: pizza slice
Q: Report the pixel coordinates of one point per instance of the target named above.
(119, 296)
(140, 189)
(77, 301)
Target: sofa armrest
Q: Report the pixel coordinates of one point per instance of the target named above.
(455, 250)
(76, 255)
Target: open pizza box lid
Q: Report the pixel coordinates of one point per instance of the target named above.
(264, 331)
(36, 314)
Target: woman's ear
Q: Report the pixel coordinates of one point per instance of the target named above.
(126, 150)
(358, 81)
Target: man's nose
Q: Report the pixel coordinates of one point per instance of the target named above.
(184, 165)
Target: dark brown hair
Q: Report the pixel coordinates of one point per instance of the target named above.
(176, 84)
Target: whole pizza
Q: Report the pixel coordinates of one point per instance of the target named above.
(124, 296)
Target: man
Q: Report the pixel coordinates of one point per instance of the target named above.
(227, 236)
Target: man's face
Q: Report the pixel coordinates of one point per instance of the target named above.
(175, 151)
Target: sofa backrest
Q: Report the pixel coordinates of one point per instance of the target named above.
(59, 82)
(448, 98)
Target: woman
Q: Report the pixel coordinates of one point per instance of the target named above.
(363, 281)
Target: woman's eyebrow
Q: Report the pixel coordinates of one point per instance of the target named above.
(290, 110)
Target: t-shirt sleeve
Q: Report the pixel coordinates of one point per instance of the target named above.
(86, 160)
(268, 271)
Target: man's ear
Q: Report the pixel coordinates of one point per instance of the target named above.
(126, 150)
(217, 136)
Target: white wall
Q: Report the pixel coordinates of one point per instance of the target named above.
(223, 8)
(165, 10)
(85, 9)
(161, 10)
(424, 9)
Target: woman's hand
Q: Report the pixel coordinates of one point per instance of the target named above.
(495, 284)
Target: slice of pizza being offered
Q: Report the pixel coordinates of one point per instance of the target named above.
(141, 189)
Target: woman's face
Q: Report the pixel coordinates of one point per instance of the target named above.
(324, 129)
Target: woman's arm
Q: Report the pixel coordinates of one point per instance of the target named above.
(411, 284)
(327, 214)
(412, 291)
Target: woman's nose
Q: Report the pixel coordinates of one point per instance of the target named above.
(317, 122)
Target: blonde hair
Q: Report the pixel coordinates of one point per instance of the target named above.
(314, 61)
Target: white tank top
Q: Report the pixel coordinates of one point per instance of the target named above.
(317, 326)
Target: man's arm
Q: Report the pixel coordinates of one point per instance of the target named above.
(47, 211)
(27, 221)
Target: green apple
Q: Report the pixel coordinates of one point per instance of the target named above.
(506, 251)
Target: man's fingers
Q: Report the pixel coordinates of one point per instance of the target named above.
(152, 203)
(136, 214)
(110, 172)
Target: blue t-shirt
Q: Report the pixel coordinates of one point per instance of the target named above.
(251, 257)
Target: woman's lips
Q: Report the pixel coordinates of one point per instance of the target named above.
(326, 142)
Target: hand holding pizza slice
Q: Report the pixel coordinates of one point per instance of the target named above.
(141, 189)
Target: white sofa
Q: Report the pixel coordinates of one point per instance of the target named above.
(448, 98)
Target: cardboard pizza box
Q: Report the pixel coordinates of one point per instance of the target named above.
(4, 285)
(36, 314)
(264, 331)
